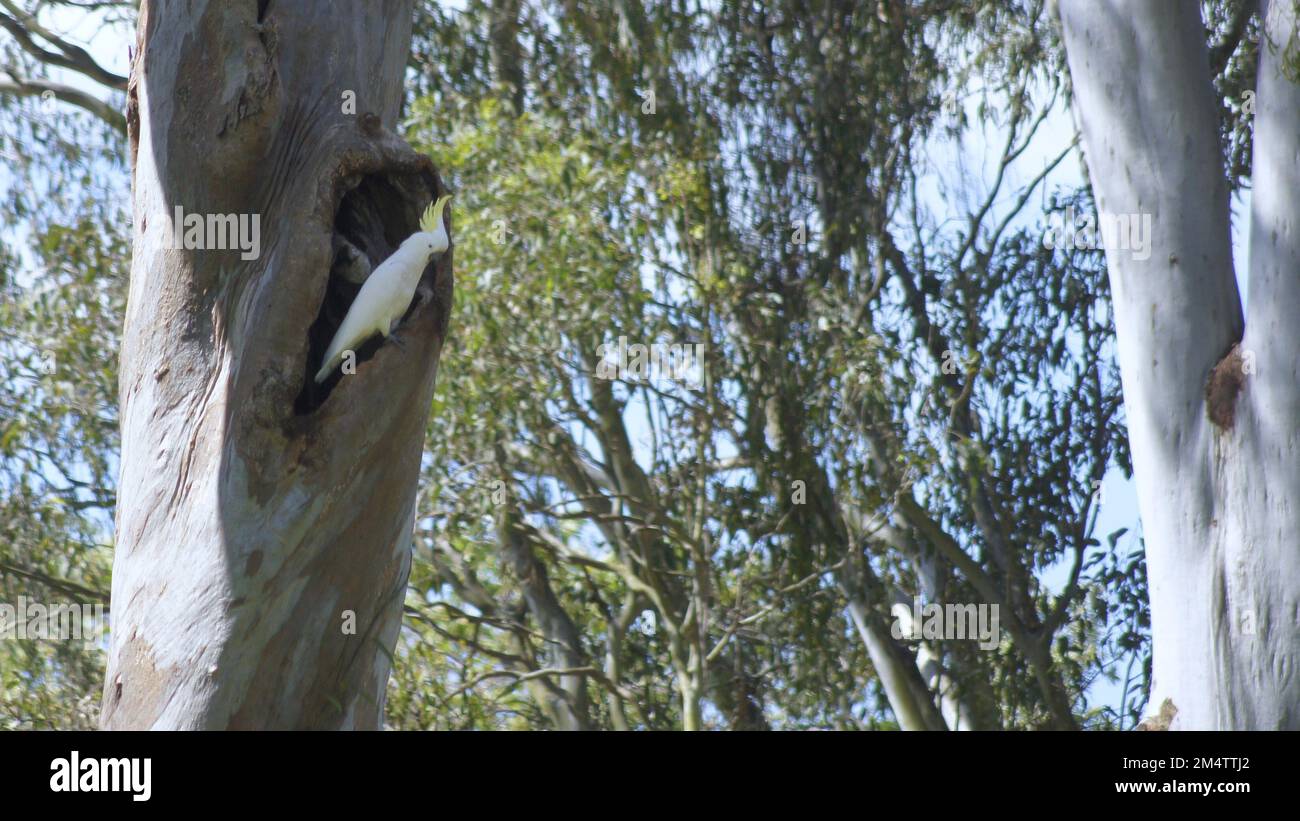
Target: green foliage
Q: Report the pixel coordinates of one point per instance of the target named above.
(587, 211)
(758, 179)
(64, 255)
(58, 445)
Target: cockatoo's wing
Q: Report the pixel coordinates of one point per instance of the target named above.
(372, 312)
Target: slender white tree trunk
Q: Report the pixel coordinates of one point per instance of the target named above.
(1213, 414)
(263, 525)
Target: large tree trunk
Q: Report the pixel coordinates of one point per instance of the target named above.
(1213, 427)
(257, 513)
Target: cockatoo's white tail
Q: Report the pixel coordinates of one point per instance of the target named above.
(349, 337)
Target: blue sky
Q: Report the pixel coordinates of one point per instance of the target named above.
(959, 167)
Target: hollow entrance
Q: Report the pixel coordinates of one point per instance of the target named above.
(372, 219)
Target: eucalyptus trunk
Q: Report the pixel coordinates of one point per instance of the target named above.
(1212, 397)
(264, 523)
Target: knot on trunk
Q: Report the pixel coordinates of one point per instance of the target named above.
(1223, 387)
(379, 193)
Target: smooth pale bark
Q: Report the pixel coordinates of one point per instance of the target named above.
(895, 666)
(1217, 471)
(254, 516)
(565, 698)
(910, 698)
(956, 714)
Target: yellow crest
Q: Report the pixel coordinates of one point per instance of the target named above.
(433, 214)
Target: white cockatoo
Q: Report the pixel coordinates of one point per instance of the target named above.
(388, 290)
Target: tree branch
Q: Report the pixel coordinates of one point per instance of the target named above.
(27, 87)
(22, 26)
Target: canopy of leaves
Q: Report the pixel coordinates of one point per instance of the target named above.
(899, 391)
